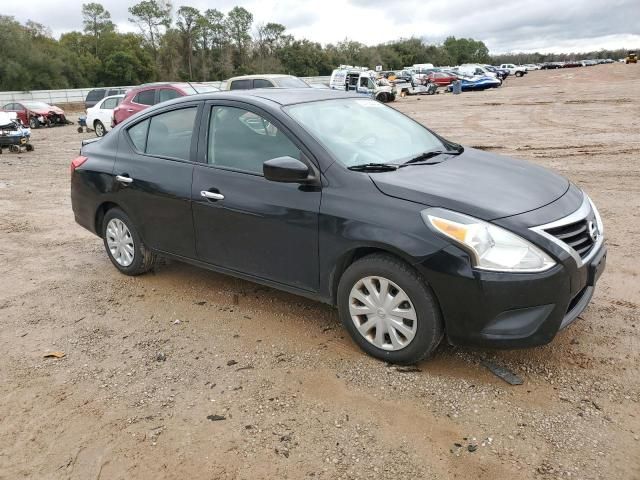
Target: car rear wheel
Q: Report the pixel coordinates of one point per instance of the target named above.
(99, 128)
(388, 309)
(123, 244)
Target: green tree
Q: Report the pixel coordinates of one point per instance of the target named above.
(238, 25)
(150, 16)
(188, 24)
(96, 21)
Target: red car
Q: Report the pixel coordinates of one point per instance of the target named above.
(139, 98)
(441, 79)
(36, 114)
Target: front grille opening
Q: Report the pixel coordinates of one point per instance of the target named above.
(576, 235)
(575, 300)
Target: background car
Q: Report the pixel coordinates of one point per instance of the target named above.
(100, 116)
(97, 94)
(248, 82)
(139, 98)
(441, 79)
(36, 114)
(302, 190)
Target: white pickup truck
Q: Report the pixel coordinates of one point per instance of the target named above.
(517, 70)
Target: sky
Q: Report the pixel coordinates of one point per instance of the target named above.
(504, 25)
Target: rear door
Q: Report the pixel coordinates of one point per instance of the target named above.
(154, 171)
(105, 112)
(254, 226)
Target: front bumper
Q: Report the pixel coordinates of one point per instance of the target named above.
(509, 310)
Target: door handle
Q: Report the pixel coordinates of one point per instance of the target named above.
(211, 195)
(123, 179)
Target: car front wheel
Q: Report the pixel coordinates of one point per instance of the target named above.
(34, 123)
(388, 309)
(123, 244)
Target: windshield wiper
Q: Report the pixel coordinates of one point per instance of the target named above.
(433, 153)
(373, 167)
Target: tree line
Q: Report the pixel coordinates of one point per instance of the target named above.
(190, 44)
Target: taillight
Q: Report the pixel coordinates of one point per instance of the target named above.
(76, 162)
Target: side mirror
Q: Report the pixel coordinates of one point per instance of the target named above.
(285, 169)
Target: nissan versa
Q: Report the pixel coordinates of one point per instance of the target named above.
(342, 199)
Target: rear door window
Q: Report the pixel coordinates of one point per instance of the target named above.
(146, 97)
(170, 133)
(241, 84)
(110, 103)
(262, 83)
(168, 94)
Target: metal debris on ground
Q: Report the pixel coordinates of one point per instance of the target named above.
(502, 372)
(407, 369)
(215, 418)
(54, 355)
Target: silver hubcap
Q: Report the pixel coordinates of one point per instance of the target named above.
(99, 129)
(120, 242)
(383, 313)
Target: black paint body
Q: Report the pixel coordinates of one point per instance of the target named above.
(301, 237)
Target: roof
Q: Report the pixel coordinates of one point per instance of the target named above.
(266, 75)
(282, 96)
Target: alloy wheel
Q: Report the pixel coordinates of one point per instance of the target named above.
(120, 242)
(383, 313)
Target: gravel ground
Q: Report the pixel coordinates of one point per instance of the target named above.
(185, 373)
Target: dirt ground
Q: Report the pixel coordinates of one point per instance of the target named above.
(149, 359)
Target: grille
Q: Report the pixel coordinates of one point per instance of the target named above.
(576, 235)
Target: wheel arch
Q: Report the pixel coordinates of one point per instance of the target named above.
(101, 211)
(355, 254)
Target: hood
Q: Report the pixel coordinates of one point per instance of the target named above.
(476, 183)
(44, 111)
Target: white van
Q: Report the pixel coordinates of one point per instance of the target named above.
(362, 80)
(475, 69)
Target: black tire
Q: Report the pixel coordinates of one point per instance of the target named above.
(519, 74)
(143, 258)
(34, 123)
(29, 147)
(383, 97)
(98, 127)
(429, 330)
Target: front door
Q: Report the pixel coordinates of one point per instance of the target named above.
(252, 225)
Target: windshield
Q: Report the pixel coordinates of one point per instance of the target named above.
(358, 131)
(36, 105)
(290, 82)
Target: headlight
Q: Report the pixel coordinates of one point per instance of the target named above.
(491, 247)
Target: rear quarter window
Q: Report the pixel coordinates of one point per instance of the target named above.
(138, 135)
(94, 95)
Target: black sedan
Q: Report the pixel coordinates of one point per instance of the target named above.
(342, 199)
